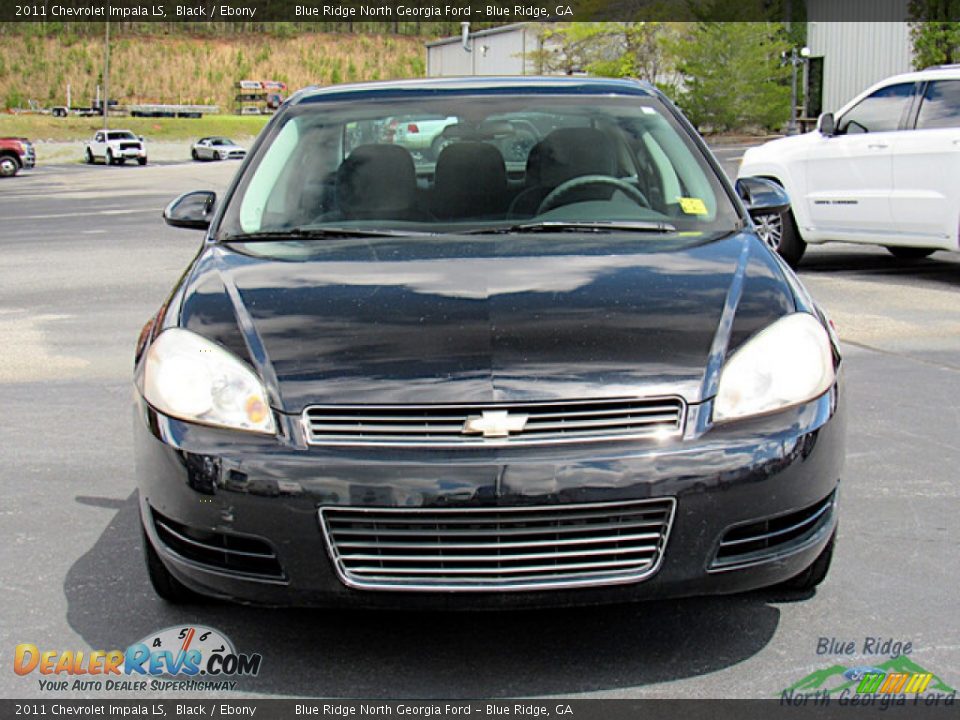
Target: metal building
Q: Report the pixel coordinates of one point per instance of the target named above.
(847, 57)
(506, 50)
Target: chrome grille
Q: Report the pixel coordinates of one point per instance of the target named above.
(504, 548)
(443, 425)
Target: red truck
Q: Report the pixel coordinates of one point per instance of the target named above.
(15, 153)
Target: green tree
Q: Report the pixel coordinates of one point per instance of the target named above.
(934, 32)
(639, 50)
(610, 49)
(732, 75)
(572, 47)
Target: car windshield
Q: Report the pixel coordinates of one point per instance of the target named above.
(453, 164)
(121, 136)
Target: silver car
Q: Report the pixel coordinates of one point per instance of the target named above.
(217, 148)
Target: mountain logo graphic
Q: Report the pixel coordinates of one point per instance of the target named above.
(897, 675)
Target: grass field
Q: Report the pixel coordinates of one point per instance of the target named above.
(194, 70)
(48, 128)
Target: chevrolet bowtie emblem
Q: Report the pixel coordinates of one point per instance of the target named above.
(494, 424)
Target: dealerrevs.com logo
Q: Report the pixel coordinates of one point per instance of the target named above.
(176, 658)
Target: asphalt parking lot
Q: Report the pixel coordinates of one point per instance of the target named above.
(86, 259)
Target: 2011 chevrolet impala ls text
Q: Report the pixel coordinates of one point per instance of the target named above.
(573, 375)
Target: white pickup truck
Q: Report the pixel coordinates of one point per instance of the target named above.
(115, 147)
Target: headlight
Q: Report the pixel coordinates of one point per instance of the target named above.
(189, 377)
(788, 363)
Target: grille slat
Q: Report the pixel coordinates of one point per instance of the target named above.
(503, 545)
(518, 548)
(443, 425)
(496, 532)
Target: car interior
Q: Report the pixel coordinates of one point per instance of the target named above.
(491, 169)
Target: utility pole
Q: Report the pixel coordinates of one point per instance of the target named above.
(792, 126)
(106, 77)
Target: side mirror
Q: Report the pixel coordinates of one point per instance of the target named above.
(827, 125)
(762, 196)
(192, 210)
(141, 138)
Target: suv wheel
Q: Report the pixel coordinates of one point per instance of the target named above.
(88, 157)
(193, 154)
(910, 253)
(9, 166)
(110, 160)
(141, 161)
(780, 233)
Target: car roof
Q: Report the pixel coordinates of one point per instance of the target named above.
(937, 72)
(531, 85)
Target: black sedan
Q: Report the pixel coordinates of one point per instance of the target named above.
(571, 377)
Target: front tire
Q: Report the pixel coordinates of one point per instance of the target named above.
(163, 582)
(193, 154)
(910, 253)
(809, 579)
(9, 166)
(110, 159)
(88, 156)
(141, 161)
(779, 232)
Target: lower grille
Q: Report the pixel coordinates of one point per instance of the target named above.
(508, 548)
(761, 540)
(526, 423)
(130, 146)
(234, 554)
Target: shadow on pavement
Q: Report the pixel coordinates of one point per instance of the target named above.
(941, 267)
(377, 654)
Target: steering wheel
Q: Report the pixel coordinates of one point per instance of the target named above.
(554, 198)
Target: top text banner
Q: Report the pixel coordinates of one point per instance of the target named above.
(485, 12)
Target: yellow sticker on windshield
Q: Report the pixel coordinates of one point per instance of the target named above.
(693, 206)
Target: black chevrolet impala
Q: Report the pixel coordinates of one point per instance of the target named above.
(544, 360)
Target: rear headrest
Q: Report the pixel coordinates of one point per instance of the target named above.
(568, 153)
(470, 181)
(377, 181)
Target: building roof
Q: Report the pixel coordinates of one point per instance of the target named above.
(513, 27)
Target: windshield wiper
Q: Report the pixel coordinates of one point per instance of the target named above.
(577, 226)
(302, 233)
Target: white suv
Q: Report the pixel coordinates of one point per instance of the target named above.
(884, 171)
(116, 147)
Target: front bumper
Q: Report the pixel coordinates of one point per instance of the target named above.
(270, 491)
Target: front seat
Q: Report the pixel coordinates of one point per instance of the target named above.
(378, 182)
(470, 181)
(564, 154)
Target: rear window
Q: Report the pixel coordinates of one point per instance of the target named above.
(448, 164)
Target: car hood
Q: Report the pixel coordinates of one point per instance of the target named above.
(489, 319)
(779, 150)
